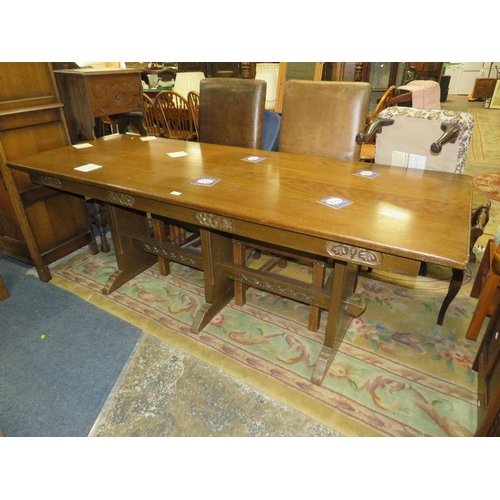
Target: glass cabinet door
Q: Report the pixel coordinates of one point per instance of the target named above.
(381, 76)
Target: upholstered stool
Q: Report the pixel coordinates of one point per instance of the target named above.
(425, 94)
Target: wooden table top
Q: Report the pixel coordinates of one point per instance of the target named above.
(410, 213)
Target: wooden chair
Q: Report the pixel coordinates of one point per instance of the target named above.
(321, 119)
(223, 119)
(486, 289)
(151, 122)
(172, 110)
(193, 99)
(231, 112)
(108, 125)
(368, 148)
(4, 294)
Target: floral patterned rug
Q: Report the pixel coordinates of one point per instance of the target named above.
(484, 145)
(489, 183)
(397, 373)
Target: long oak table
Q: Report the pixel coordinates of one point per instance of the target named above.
(396, 220)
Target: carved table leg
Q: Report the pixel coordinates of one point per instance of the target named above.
(131, 261)
(219, 290)
(455, 285)
(344, 305)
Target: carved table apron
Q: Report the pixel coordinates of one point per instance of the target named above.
(394, 224)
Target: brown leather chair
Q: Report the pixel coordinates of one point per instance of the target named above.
(323, 118)
(320, 119)
(231, 113)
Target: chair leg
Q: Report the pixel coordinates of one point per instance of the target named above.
(4, 293)
(487, 299)
(240, 289)
(318, 279)
(160, 233)
(485, 288)
(98, 217)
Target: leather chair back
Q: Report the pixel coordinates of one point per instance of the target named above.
(231, 112)
(323, 118)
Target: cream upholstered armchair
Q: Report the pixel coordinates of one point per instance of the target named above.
(422, 138)
(433, 140)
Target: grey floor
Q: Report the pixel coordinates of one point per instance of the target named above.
(166, 392)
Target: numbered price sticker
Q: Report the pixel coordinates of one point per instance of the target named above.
(335, 201)
(205, 181)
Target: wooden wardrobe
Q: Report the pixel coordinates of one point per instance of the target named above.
(38, 225)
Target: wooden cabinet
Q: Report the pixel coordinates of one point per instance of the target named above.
(483, 88)
(487, 365)
(38, 225)
(89, 94)
(428, 70)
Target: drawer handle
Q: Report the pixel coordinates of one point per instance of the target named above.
(118, 98)
(496, 336)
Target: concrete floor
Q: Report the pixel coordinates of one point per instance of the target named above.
(166, 392)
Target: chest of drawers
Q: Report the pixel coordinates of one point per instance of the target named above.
(89, 94)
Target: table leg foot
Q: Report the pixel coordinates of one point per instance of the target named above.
(120, 277)
(323, 363)
(208, 311)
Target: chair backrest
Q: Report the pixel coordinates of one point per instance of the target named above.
(172, 111)
(271, 131)
(151, 122)
(323, 118)
(382, 103)
(232, 111)
(410, 140)
(193, 99)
